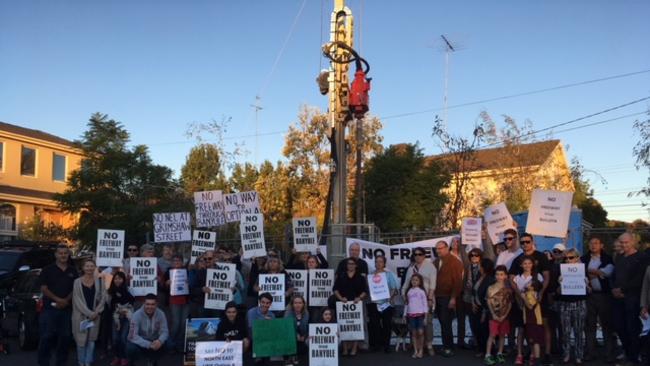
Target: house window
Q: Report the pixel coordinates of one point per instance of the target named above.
(28, 162)
(58, 168)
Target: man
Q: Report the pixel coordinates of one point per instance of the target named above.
(179, 307)
(355, 252)
(552, 293)
(165, 261)
(600, 268)
(449, 284)
(210, 258)
(55, 321)
(148, 332)
(132, 251)
(626, 290)
(428, 271)
(512, 251)
(260, 312)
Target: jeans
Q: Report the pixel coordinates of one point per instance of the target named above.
(55, 330)
(179, 314)
(445, 317)
(572, 318)
(85, 353)
(120, 338)
(599, 309)
(134, 352)
(380, 325)
(461, 314)
(628, 325)
(480, 330)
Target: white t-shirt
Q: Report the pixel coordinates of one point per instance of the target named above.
(507, 257)
(523, 280)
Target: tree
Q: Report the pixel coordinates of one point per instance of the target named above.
(641, 150)
(37, 230)
(243, 177)
(403, 192)
(583, 197)
(202, 169)
(116, 187)
(276, 197)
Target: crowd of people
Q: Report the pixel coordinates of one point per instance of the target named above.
(510, 294)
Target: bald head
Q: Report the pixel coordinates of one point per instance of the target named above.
(354, 250)
(628, 243)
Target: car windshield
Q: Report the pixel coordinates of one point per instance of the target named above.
(8, 260)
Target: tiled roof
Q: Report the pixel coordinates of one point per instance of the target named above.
(36, 134)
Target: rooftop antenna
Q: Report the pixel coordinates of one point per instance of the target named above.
(257, 108)
(447, 45)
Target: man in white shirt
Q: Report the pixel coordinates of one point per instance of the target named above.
(512, 251)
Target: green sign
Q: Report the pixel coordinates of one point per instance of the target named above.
(274, 337)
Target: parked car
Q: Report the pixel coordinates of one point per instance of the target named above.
(21, 308)
(21, 256)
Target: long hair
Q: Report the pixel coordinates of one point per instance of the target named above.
(122, 289)
(411, 283)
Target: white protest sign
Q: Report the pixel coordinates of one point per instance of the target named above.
(305, 238)
(220, 281)
(549, 213)
(321, 282)
(231, 207)
(219, 353)
(172, 226)
(350, 320)
(298, 279)
(573, 279)
(273, 284)
(470, 232)
(144, 276)
(241, 203)
(209, 209)
(251, 231)
(498, 220)
(202, 241)
(378, 286)
(323, 345)
(179, 284)
(110, 247)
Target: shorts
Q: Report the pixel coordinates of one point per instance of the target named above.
(416, 322)
(499, 329)
(535, 334)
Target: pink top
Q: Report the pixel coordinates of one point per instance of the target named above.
(417, 302)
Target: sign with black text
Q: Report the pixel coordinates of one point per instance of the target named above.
(110, 248)
(251, 231)
(298, 279)
(573, 279)
(219, 353)
(202, 241)
(321, 282)
(220, 281)
(305, 238)
(209, 209)
(470, 232)
(498, 220)
(273, 284)
(549, 213)
(171, 227)
(241, 203)
(350, 320)
(144, 276)
(323, 345)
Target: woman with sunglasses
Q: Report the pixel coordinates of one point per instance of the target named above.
(471, 276)
(573, 310)
(350, 286)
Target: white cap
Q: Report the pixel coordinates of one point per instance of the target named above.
(560, 247)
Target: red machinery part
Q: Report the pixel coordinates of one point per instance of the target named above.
(359, 98)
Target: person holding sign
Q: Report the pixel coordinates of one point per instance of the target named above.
(573, 310)
(260, 312)
(351, 286)
(297, 310)
(275, 266)
(178, 301)
(232, 327)
(380, 311)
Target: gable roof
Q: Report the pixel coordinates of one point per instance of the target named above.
(531, 154)
(35, 134)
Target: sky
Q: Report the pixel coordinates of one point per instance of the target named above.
(157, 66)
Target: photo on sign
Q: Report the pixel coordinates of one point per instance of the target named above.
(198, 330)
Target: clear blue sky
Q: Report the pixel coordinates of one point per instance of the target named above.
(158, 65)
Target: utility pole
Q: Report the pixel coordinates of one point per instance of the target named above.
(359, 175)
(257, 108)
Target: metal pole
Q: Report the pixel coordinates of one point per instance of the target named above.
(359, 176)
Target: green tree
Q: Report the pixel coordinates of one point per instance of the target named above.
(402, 191)
(117, 187)
(641, 150)
(276, 197)
(243, 177)
(202, 169)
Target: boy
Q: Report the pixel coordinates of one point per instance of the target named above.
(499, 300)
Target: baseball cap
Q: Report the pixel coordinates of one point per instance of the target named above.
(559, 246)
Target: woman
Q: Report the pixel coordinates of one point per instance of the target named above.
(478, 321)
(87, 304)
(573, 310)
(120, 303)
(381, 312)
(351, 286)
(232, 327)
(301, 260)
(179, 306)
(314, 263)
(196, 278)
(275, 266)
(297, 310)
(471, 275)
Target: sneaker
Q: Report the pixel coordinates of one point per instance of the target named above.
(446, 352)
(519, 360)
(501, 358)
(489, 360)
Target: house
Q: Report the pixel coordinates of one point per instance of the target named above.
(33, 166)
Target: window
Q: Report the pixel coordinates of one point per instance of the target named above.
(58, 167)
(28, 162)
(2, 155)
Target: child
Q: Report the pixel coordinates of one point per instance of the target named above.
(520, 283)
(499, 300)
(533, 319)
(415, 310)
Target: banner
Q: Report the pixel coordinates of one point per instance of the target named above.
(220, 281)
(321, 282)
(470, 232)
(110, 248)
(209, 209)
(144, 276)
(241, 203)
(498, 220)
(573, 279)
(251, 231)
(350, 320)
(274, 337)
(323, 345)
(298, 279)
(198, 330)
(305, 238)
(171, 227)
(179, 284)
(202, 241)
(273, 284)
(219, 353)
(378, 287)
(549, 212)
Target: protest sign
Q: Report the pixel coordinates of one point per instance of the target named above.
(231, 207)
(273, 284)
(144, 276)
(323, 345)
(573, 279)
(549, 213)
(202, 241)
(171, 226)
(274, 337)
(198, 330)
(220, 281)
(498, 220)
(321, 282)
(298, 279)
(251, 231)
(179, 284)
(305, 238)
(350, 320)
(470, 232)
(378, 286)
(209, 209)
(241, 203)
(219, 353)
(110, 248)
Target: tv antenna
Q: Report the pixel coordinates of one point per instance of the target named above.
(447, 45)
(257, 108)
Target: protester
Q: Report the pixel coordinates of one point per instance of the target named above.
(148, 332)
(573, 310)
(459, 250)
(327, 316)
(351, 286)
(512, 251)
(499, 303)
(520, 284)
(471, 276)
(260, 312)
(166, 261)
(449, 284)
(257, 265)
(179, 307)
(354, 251)
(56, 281)
(479, 310)
(197, 280)
(232, 327)
(381, 312)
(121, 308)
(297, 310)
(533, 319)
(132, 251)
(275, 266)
(87, 305)
(415, 311)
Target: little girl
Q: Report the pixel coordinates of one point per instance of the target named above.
(415, 310)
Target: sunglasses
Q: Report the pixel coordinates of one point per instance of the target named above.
(509, 238)
(418, 254)
(571, 257)
(525, 242)
(132, 250)
(474, 255)
(557, 251)
(209, 258)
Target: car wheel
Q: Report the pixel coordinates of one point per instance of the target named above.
(26, 340)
